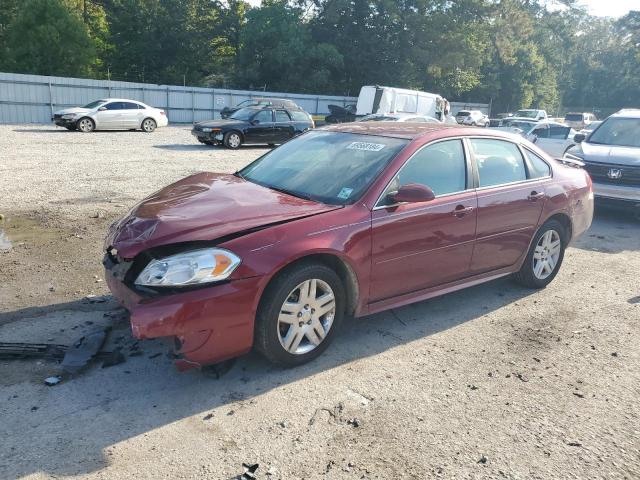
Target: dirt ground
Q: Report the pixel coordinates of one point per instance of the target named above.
(492, 382)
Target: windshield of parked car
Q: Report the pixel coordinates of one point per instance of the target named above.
(526, 113)
(621, 132)
(243, 114)
(329, 167)
(95, 104)
(573, 117)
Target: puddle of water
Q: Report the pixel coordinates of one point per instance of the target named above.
(15, 231)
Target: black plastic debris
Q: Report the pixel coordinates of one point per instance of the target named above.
(483, 459)
(113, 358)
(218, 370)
(249, 471)
(17, 351)
(83, 350)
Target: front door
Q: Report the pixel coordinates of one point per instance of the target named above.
(510, 202)
(108, 115)
(421, 245)
(553, 139)
(261, 128)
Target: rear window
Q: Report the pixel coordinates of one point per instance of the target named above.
(463, 113)
(573, 117)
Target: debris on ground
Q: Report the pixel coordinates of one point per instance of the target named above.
(483, 459)
(19, 351)
(53, 380)
(113, 358)
(208, 416)
(249, 471)
(83, 350)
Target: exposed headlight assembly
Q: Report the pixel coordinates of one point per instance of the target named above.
(69, 116)
(189, 268)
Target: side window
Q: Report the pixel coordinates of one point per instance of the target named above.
(541, 132)
(264, 116)
(113, 106)
(141, 107)
(499, 161)
(129, 106)
(559, 132)
(299, 116)
(282, 116)
(539, 168)
(441, 167)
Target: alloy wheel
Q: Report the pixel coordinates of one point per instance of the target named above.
(546, 254)
(85, 125)
(306, 316)
(234, 140)
(148, 125)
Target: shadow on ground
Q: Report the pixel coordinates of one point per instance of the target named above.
(598, 238)
(107, 406)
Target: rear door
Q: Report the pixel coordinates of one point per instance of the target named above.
(132, 115)
(420, 245)
(555, 141)
(510, 201)
(284, 128)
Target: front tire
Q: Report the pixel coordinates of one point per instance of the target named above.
(299, 314)
(232, 140)
(545, 256)
(149, 125)
(86, 125)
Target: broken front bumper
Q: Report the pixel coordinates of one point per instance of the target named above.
(209, 324)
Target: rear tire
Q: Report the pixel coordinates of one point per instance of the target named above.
(148, 125)
(545, 256)
(86, 125)
(299, 314)
(232, 140)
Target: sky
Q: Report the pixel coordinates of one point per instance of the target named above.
(601, 8)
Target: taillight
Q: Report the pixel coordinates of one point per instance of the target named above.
(162, 112)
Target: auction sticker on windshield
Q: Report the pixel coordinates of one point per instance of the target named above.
(367, 147)
(345, 193)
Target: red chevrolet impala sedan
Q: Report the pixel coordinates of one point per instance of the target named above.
(347, 220)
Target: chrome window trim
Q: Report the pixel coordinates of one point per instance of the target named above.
(433, 142)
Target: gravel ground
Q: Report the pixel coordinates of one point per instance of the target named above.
(492, 382)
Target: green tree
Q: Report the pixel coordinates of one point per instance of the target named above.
(278, 52)
(46, 38)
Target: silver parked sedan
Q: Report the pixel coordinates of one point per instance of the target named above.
(111, 114)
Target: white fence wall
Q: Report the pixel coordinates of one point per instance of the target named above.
(33, 98)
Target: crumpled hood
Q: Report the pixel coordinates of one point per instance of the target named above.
(71, 110)
(204, 206)
(592, 152)
(221, 123)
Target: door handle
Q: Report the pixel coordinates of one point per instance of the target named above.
(533, 196)
(461, 211)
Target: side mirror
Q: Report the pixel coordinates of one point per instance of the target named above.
(412, 193)
(532, 137)
(255, 122)
(579, 137)
(102, 109)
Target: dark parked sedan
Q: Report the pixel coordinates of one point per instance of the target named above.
(254, 125)
(348, 220)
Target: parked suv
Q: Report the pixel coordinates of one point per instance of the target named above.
(579, 120)
(531, 114)
(611, 154)
(255, 125)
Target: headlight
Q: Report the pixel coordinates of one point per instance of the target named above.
(189, 268)
(69, 116)
(209, 129)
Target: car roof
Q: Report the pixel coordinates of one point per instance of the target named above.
(118, 100)
(411, 131)
(628, 113)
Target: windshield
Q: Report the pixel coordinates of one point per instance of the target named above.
(329, 167)
(621, 132)
(95, 104)
(243, 114)
(463, 113)
(246, 103)
(526, 113)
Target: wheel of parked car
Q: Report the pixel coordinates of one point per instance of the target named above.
(544, 257)
(86, 125)
(232, 140)
(149, 125)
(299, 314)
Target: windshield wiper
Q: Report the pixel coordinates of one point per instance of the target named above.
(239, 175)
(304, 196)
